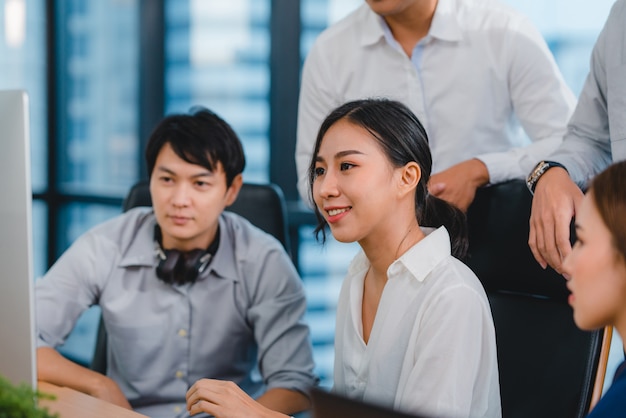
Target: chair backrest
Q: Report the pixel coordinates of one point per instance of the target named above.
(262, 204)
(547, 365)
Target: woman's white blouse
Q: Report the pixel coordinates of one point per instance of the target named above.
(432, 348)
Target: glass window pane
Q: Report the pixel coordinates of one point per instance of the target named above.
(217, 56)
(23, 66)
(40, 238)
(97, 52)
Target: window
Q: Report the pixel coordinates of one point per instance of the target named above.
(97, 155)
(97, 64)
(218, 57)
(23, 66)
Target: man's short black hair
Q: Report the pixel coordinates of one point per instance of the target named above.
(201, 138)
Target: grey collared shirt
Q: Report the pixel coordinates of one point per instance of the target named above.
(596, 134)
(242, 320)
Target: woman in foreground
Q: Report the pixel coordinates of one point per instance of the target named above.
(596, 271)
(414, 328)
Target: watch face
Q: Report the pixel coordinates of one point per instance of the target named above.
(540, 168)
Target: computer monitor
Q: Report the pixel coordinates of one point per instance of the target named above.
(17, 318)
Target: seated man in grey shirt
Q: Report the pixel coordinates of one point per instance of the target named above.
(191, 296)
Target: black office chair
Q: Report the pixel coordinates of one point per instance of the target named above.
(262, 204)
(548, 367)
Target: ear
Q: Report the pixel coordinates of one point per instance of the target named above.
(410, 176)
(233, 191)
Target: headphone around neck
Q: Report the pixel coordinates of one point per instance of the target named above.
(180, 267)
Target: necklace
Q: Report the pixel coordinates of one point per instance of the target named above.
(395, 257)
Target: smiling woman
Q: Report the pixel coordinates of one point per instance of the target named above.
(407, 304)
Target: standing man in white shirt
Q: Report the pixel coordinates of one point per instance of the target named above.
(471, 70)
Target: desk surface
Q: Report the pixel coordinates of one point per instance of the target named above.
(70, 403)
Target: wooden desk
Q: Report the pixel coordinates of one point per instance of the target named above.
(70, 403)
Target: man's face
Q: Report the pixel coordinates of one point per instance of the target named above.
(188, 200)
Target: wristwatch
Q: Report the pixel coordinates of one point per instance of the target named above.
(538, 171)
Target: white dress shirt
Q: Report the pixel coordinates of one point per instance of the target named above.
(432, 348)
(481, 70)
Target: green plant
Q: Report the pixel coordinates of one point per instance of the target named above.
(20, 401)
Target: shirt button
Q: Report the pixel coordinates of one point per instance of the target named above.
(179, 374)
(182, 332)
(177, 409)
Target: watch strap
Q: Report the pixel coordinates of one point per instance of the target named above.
(539, 171)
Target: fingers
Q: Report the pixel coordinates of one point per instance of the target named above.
(534, 246)
(548, 238)
(436, 188)
(201, 397)
(553, 208)
(202, 407)
(219, 398)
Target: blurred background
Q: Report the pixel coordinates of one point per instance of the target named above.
(101, 74)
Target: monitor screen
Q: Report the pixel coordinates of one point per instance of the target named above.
(17, 320)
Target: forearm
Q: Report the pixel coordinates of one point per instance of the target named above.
(285, 401)
(516, 163)
(583, 157)
(52, 367)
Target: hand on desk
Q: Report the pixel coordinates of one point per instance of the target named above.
(224, 399)
(52, 367)
(107, 390)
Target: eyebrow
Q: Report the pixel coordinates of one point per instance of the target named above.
(341, 154)
(201, 174)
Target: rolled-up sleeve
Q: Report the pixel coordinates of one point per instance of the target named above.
(541, 99)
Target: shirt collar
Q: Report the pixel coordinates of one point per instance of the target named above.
(419, 260)
(445, 25)
(142, 252)
(374, 26)
(225, 259)
(424, 256)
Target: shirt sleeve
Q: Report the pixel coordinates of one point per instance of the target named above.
(457, 352)
(586, 149)
(70, 287)
(277, 311)
(316, 100)
(542, 102)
